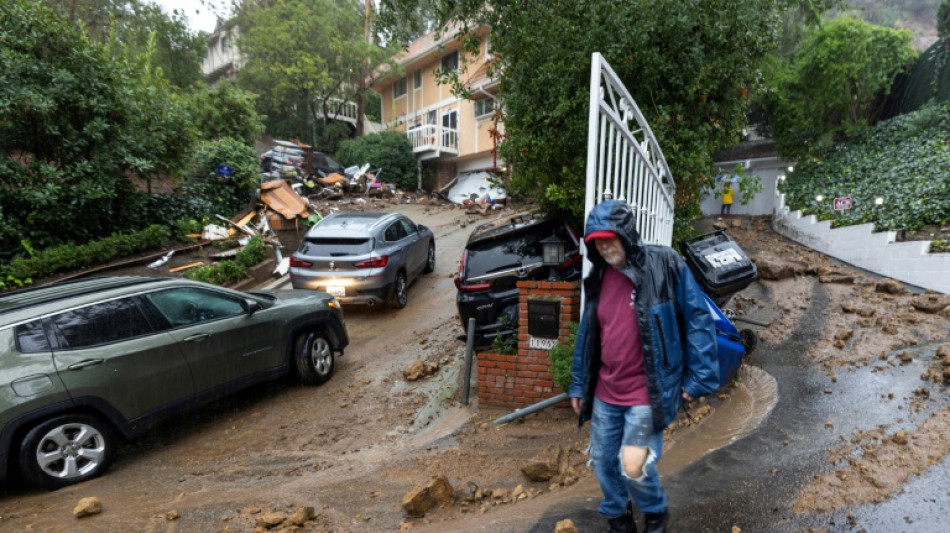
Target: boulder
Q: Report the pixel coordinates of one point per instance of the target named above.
(931, 303)
(543, 466)
(771, 266)
(565, 526)
(890, 286)
(437, 493)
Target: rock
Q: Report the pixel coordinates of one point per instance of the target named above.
(771, 266)
(931, 303)
(830, 275)
(900, 437)
(543, 466)
(270, 520)
(419, 369)
(518, 492)
(844, 334)
(437, 493)
(87, 507)
(301, 516)
(889, 286)
(943, 351)
(470, 492)
(565, 526)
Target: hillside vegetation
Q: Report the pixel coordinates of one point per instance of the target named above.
(904, 161)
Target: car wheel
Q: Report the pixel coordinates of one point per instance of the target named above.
(430, 260)
(400, 291)
(314, 358)
(65, 450)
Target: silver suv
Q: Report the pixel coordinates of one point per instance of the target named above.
(364, 258)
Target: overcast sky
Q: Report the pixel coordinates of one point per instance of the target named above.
(200, 15)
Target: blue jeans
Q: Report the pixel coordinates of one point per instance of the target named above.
(613, 426)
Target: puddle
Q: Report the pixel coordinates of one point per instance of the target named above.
(750, 402)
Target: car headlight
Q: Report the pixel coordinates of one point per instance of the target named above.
(334, 303)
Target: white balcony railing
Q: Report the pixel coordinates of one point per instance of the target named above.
(433, 138)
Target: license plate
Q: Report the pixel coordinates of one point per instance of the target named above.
(338, 291)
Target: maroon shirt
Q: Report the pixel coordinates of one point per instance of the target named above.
(622, 379)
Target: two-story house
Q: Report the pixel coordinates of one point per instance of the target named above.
(450, 135)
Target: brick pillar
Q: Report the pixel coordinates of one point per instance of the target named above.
(523, 379)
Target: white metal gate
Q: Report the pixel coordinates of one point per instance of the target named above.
(623, 163)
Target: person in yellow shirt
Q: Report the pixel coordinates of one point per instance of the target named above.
(726, 208)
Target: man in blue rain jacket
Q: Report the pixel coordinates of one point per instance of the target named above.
(646, 343)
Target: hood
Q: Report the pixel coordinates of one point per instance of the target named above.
(616, 216)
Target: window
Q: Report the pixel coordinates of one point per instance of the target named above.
(102, 323)
(487, 48)
(31, 338)
(417, 80)
(395, 232)
(450, 62)
(185, 306)
(408, 227)
(484, 107)
(401, 88)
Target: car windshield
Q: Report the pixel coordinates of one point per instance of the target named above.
(335, 246)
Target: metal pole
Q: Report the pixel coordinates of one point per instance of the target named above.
(531, 409)
(469, 349)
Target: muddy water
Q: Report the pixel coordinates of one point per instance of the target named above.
(750, 402)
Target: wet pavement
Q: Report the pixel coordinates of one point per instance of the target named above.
(751, 484)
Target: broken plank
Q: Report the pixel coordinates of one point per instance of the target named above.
(185, 267)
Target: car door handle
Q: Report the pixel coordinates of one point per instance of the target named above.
(85, 364)
(200, 337)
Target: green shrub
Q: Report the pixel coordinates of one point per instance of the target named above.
(72, 257)
(506, 343)
(388, 150)
(231, 270)
(560, 358)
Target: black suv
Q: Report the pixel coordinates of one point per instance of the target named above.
(498, 255)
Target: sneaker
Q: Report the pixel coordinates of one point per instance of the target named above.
(656, 522)
(623, 523)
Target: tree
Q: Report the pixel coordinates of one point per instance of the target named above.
(75, 127)
(139, 27)
(943, 19)
(403, 21)
(303, 55)
(687, 64)
(225, 110)
(832, 87)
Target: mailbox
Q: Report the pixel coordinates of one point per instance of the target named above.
(544, 318)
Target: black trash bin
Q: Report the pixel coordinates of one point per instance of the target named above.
(719, 265)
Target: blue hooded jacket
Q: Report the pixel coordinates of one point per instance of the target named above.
(676, 325)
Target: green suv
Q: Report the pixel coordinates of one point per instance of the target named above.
(87, 362)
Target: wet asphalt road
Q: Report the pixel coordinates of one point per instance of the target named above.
(750, 485)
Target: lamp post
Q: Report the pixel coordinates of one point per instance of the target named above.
(552, 255)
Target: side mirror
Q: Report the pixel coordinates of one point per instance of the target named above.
(251, 306)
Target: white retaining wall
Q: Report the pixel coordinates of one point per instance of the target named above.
(858, 245)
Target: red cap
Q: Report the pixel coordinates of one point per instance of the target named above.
(601, 234)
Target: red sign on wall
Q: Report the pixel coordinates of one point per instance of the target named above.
(842, 203)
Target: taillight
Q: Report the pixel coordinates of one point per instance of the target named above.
(294, 262)
(376, 262)
(473, 287)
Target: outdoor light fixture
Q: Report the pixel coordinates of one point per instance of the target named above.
(791, 169)
(781, 177)
(879, 201)
(819, 198)
(552, 255)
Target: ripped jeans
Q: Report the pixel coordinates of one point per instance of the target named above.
(611, 427)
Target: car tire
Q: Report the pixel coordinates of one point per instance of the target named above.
(65, 450)
(314, 358)
(430, 260)
(400, 291)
